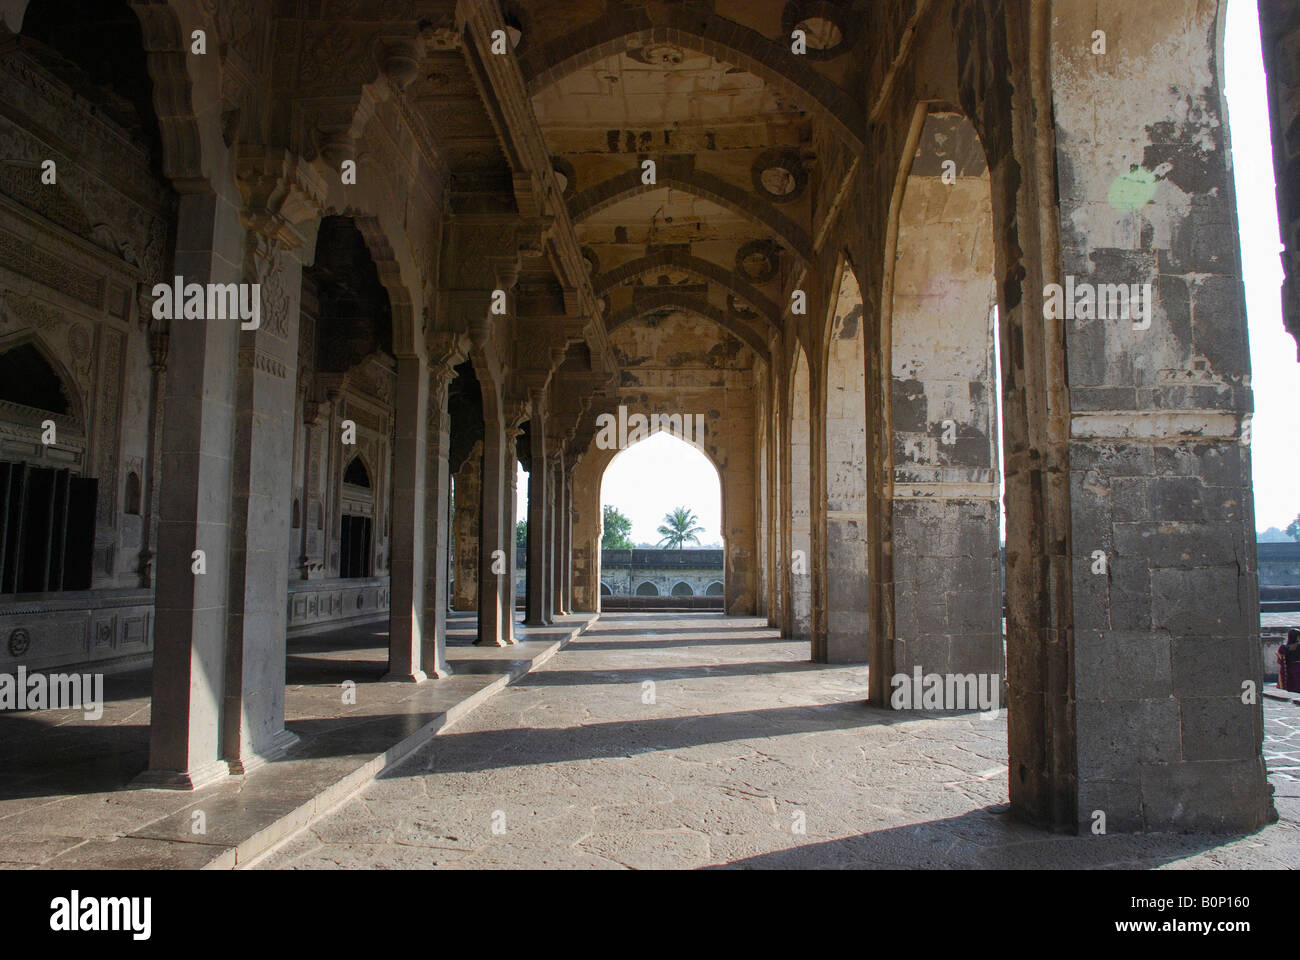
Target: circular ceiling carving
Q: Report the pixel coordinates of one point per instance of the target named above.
(827, 25)
(758, 261)
(779, 175)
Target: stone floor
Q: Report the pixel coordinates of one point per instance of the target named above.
(696, 741)
(66, 795)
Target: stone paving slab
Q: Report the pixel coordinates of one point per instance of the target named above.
(746, 756)
(66, 799)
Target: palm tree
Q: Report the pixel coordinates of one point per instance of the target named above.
(679, 528)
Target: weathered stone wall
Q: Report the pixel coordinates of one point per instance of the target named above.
(947, 597)
(1166, 633)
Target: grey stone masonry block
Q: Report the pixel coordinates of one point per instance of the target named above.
(1118, 798)
(1130, 594)
(1219, 728)
(977, 654)
(1114, 733)
(1123, 666)
(1200, 602)
(1213, 666)
(1177, 499)
(1091, 597)
(1128, 498)
(1178, 544)
(1218, 464)
(1112, 459)
(1220, 796)
(930, 652)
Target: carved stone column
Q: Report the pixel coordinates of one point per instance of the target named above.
(406, 617)
(558, 525)
(158, 346)
(513, 431)
(281, 193)
(194, 510)
(535, 615)
(437, 515)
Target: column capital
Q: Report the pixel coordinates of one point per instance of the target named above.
(446, 352)
(283, 197)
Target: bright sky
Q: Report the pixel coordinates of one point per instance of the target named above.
(1275, 440)
(653, 477)
(661, 473)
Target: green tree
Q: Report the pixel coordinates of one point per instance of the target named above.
(521, 533)
(1293, 529)
(617, 530)
(679, 528)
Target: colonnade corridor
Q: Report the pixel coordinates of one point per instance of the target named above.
(698, 740)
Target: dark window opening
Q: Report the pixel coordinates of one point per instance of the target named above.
(132, 498)
(354, 547)
(99, 52)
(26, 378)
(356, 474)
(47, 529)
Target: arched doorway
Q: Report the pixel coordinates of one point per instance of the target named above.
(671, 493)
(799, 622)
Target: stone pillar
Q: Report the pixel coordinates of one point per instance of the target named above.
(158, 347)
(513, 432)
(406, 624)
(586, 534)
(332, 488)
(559, 522)
(847, 630)
(1165, 646)
(492, 567)
(944, 498)
(310, 417)
(437, 481)
(801, 557)
(549, 553)
(566, 521)
(538, 491)
(194, 510)
(467, 513)
(253, 723)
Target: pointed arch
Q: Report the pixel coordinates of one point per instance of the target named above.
(705, 269)
(357, 473)
(680, 174)
(76, 410)
(726, 40)
(691, 304)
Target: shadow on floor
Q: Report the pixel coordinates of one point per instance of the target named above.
(516, 746)
(989, 838)
(560, 678)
